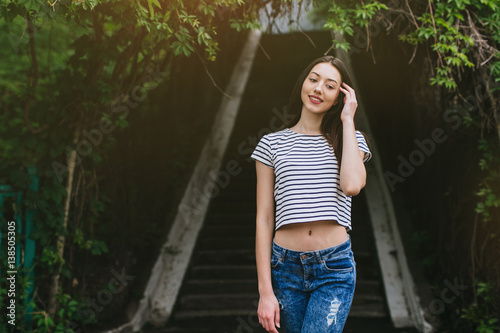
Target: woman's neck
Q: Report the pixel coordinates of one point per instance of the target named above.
(309, 123)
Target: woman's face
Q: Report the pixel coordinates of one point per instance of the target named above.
(321, 88)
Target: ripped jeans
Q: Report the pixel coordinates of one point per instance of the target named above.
(314, 288)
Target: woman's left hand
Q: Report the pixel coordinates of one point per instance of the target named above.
(350, 103)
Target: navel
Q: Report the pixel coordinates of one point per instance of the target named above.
(310, 232)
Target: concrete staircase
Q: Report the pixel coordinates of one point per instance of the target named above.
(219, 292)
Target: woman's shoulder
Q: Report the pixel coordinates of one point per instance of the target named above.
(272, 136)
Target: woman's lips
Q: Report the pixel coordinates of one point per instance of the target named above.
(315, 100)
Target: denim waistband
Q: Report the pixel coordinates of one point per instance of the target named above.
(313, 256)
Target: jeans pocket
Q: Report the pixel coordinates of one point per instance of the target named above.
(339, 265)
(275, 260)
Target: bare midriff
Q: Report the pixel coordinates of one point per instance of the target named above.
(310, 236)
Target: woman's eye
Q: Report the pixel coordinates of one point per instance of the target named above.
(312, 79)
(330, 87)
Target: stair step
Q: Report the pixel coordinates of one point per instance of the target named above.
(233, 208)
(246, 256)
(367, 288)
(239, 271)
(246, 177)
(218, 302)
(213, 322)
(224, 257)
(232, 202)
(230, 218)
(214, 243)
(369, 310)
(223, 272)
(236, 195)
(226, 301)
(248, 323)
(233, 230)
(241, 185)
(233, 286)
(359, 308)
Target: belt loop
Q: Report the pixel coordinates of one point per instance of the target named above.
(318, 256)
(283, 254)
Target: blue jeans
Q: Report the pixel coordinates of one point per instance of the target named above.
(314, 288)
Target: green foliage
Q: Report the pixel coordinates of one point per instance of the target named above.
(71, 73)
(480, 312)
(342, 18)
(452, 30)
(489, 190)
(450, 43)
(65, 321)
(96, 247)
(245, 23)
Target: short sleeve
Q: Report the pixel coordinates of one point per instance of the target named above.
(263, 152)
(363, 146)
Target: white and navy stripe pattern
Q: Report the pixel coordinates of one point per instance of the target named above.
(307, 179)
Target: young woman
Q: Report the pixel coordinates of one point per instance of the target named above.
(306, 175)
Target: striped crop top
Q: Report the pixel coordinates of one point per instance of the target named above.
(307, 178)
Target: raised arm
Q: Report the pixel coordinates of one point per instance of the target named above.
(352, 168)
(268, 310)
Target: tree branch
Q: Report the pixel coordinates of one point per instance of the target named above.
(35, 78)
(210, 75)
(302, 31)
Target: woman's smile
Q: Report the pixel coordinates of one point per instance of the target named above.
(315, 99)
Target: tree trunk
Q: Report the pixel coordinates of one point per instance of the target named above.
(54, 288)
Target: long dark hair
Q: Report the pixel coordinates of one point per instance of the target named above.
(331, 125)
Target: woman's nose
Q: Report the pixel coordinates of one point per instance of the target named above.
(317, 89)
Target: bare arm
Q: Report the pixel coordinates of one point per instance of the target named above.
(268, 310)
(352, 169)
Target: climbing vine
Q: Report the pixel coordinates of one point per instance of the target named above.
(71, 73)
(460, 41)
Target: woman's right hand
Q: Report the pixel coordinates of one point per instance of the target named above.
(269, 313)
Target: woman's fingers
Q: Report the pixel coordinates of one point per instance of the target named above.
(269, 324)
(350, 94)
(268, 314)
(350, 102)
(277, 316)
(348, 91)
(271, 327)
(346, 86)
